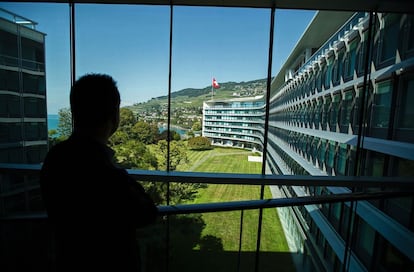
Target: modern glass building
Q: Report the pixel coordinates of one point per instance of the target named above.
(346, 109)
(340, 106)
(236, 122)
(23, 122)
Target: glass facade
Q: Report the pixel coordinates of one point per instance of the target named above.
(340, 105)
(23, 122)
(348, 99)
(235, 123)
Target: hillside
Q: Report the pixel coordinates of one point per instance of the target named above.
(186, 104)
(194, 97)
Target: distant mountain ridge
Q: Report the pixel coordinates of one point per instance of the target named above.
(253, 87)
(227, 90)
(186, 104)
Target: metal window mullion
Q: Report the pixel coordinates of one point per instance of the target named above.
(21, 88)
(240, 240)
(72, 42)
(352, 222)
(168, 222)
(266, 128)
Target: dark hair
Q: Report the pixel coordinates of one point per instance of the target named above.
(94, 99)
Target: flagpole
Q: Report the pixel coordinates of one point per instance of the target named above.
(212, 93)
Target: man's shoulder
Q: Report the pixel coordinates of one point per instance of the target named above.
(62, 151)
(60, 147)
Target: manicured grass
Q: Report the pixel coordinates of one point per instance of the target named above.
(224, 227)
(199, 161)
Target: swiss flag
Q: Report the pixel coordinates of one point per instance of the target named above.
(215, 84)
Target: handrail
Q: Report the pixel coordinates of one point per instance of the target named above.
(246, 179)
(247, 204)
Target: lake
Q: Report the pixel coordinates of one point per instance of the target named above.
(52, 121)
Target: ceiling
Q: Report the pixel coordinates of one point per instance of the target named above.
(399, 6)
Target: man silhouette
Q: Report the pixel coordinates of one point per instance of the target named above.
(93, 206)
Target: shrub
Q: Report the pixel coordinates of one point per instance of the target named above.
(199, 143)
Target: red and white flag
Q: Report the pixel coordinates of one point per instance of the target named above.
(215, 84)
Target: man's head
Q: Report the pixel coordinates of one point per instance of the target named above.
(94, 100)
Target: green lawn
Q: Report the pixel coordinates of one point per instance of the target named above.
(222, 229)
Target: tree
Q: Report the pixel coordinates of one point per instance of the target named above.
(174, 136)
(199, 143)
(178, 154)
(196, 126)
(126, 119)
(64, 128)
(118, 138)
(133, 154)
(144, 132)
(190, 133)
(53, 137)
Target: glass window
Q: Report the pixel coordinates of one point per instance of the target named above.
(15, 132)
(331, 154)
(403, 167)
(375, 164)
(365, 237)
(33, 54)
(328, 72)
(14, 103)
(361, 53)
(9, 80)
(325, 111)
(346, 110)
(314, 149)
(356, 110)
(34, 107)
(409, 36)
(8, 48)
(390, 34)
(321, 153)
(319, 78)
(406, 113)
(334, 110)
(34, 83)
(382, 104)
(337, 67)
(341, 160)
(400, 209)
(318, 113)
(349, 61)
(391, 259)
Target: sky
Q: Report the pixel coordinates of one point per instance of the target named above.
(131, 43)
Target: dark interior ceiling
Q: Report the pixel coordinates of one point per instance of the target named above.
(399, 6)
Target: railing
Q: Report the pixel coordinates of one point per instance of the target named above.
(403, 183)
(25, 63)
(390, 187)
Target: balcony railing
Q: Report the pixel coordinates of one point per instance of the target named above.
(388, 187)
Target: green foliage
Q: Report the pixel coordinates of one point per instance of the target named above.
(126, 119)
(179, 192)
(199, 143)
(174, 135)
(52, 133)
(190, 133)
(133, 154)
(118, 138)
(64, 127)
(145, 132)
(178, 154)
(196, 126)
